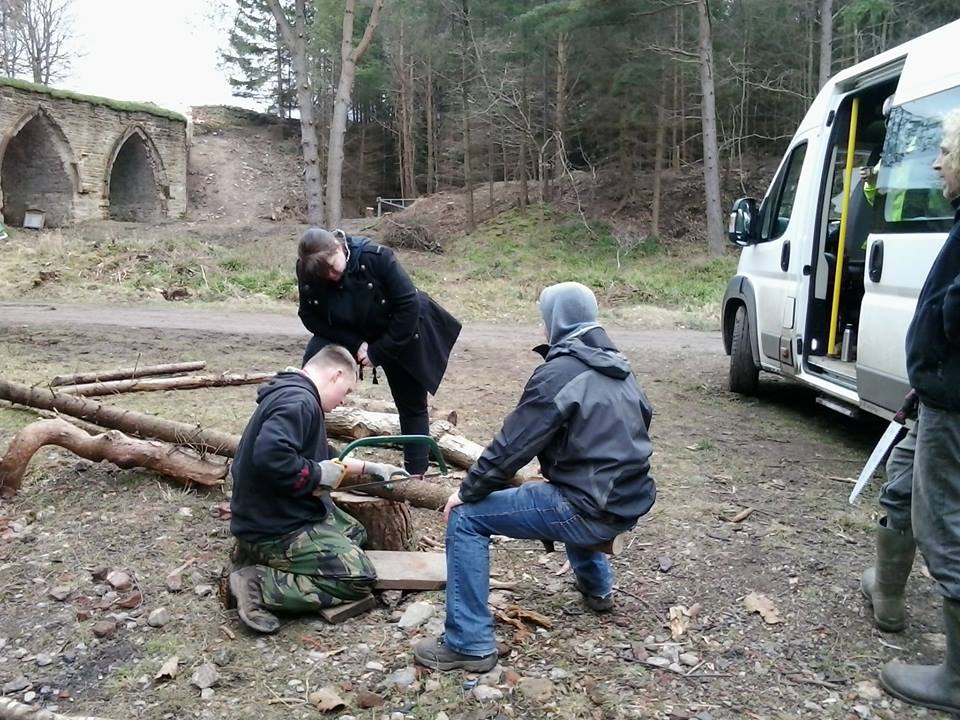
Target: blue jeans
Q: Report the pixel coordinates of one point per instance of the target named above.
(534, 511)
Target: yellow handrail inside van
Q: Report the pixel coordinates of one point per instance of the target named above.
(844, 212)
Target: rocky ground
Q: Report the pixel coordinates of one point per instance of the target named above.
(738, 594)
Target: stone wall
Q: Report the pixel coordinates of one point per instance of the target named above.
(78, 158)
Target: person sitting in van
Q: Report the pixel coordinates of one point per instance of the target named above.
(933, 368)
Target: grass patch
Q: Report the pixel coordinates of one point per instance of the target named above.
(492, 275)
(129, 265)
(510, 258)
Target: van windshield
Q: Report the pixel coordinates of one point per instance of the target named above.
(908, 187)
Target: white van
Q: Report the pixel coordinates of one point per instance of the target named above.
(790, 309)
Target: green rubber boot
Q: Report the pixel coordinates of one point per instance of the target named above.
(932, 686)
(884, 584)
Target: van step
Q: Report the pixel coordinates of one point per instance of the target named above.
(838, 406)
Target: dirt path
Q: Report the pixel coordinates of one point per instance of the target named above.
(716, 454)
(257, 323)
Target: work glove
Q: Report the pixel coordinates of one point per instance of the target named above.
(383, 472)
(331, 473)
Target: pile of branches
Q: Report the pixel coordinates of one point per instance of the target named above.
(411, 233)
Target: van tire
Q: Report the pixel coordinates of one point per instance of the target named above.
(744, 375)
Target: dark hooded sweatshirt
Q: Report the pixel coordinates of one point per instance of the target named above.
(583, 415)
(933, 340)
(275, 470)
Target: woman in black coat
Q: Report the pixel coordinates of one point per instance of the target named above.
(354, 292)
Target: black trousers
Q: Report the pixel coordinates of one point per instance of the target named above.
(409, 396)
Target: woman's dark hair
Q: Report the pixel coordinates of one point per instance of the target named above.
(315, 251)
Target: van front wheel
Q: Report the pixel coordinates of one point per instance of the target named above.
(744, 374)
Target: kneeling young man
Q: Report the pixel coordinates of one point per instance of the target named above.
(296, 551)
(584, 416)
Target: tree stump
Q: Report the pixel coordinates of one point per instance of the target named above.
(388, 524)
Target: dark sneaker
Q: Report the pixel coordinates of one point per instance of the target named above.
(597, 603)
(434, 653)
(245, 588)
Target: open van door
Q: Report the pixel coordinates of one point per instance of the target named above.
(774, 264)
(911, 219)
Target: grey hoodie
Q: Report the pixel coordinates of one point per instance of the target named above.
(582, 414)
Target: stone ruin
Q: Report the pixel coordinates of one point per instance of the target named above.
(76, 158)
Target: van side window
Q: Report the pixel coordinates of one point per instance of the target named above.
(909, 188)
(776, 215)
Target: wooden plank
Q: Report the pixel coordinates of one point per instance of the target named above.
(415, 571)
(409, 570)
(340, 613)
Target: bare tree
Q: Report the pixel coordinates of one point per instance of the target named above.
(826, 40)
(41, 29)
(11, 50)
(350, 55)
(295, 38)
(711, 151)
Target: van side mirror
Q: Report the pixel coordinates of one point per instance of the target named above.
(742, 230)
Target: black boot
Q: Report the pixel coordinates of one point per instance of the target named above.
(884, 584)
(245, 588)
(932, 686)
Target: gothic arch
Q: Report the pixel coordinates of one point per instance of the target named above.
(135, 182)
(37, 170)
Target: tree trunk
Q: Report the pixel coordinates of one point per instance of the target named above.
(525, 104)
(125, 373)
(125, 452)
(431, 170)
(658, 158)
(491, 168)
(563, 51)
(826, 41)
(128, 421)
(677, 65)
(408, 182)
(711, 167)
(388, 524)
(349, 56)
(465, 98)
(190, 382)
(295, 39)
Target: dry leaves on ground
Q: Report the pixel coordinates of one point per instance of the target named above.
(759, 603)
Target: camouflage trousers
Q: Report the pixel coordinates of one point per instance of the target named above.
(317, 567)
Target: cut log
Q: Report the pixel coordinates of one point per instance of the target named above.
(10, 709)
(125, 373)
(127, 421)
(419, 493)
(388, 523)
(125, 452)
(190, 382)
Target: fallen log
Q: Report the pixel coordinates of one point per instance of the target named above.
(128, 421)
(126, 373)
(343, 422)
(190, 382)
(123, 451)
(10, 709)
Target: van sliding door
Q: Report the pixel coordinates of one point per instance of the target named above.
(910, 224)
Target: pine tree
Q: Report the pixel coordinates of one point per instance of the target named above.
(260, 59)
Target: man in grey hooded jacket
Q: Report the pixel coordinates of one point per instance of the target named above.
(583, 415)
